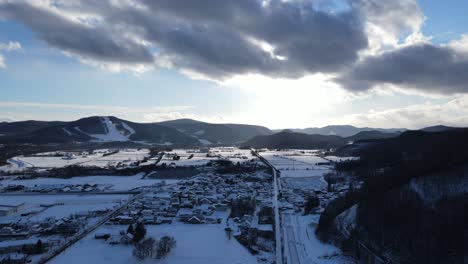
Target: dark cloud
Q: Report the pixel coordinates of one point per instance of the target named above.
(424, 67)
(215, 38)
(216, 35)
(395, 17)
(79, 39)
(220, 39)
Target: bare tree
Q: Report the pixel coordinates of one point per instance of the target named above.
(146, 248)
(165, 246)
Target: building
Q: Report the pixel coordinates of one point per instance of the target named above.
(9, 209)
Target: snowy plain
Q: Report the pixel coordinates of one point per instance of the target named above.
(196, 244)
(117, 183)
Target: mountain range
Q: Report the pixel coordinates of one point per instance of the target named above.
(295, 140)
(186, 132)
(342, 130)
(97, 129)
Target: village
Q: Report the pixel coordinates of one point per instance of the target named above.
(226, 192)
(65, 208)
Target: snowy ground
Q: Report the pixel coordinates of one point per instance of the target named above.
(198, 158)
(299, 169)
(124, 157)
(305, 183)
(112, 133)
(201, 158)
(196, 244)
(64, 205)
(302, 244)
(118, 183)
(47, 160)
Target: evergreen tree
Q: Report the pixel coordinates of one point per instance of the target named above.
(140, 232)
(39, 246)
(130, 229)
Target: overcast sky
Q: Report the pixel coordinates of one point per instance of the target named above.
(282, 64)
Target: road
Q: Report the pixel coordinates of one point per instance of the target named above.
(292, 244)
(295, 235)
(278, 233)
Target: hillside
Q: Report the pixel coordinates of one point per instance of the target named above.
(92, 129)
(112, 129)
(24, 127)
(371, 135)
(343, 130)
(414, 185)
(293, 140)
(439, 128)
(208, 133)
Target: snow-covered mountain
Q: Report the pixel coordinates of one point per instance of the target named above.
(112, 129)
(208, 133)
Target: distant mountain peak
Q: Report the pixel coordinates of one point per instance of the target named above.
(181, 121)
(437, 128)
(343, 130)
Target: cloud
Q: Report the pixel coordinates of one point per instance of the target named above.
(369, 44)
(164, 116)
(106, 108)
(72, 37)
(10, 46)
(451, 113)
(424, 67)
(400, 56)
(398, 17)
(218, 39)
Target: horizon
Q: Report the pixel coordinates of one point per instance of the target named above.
(370, 68)
(190, 119)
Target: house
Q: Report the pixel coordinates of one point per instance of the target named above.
(126, 238)
(149, 220)
(124, 219)
(14, 259)
(194, 220)
(9, 209)
(185, 214)
(104, 236)
(164, 220)
(221, 206)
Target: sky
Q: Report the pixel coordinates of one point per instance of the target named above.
(277, 63)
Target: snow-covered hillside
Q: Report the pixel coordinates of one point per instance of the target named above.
(112, 133)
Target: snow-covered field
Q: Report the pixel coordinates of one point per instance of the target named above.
(201, 158)
(64, 205)
(305, 183)
(124, 157)
(118, 183)
(44, 161)
(197, 158)
(308, 168)
(196, 244)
